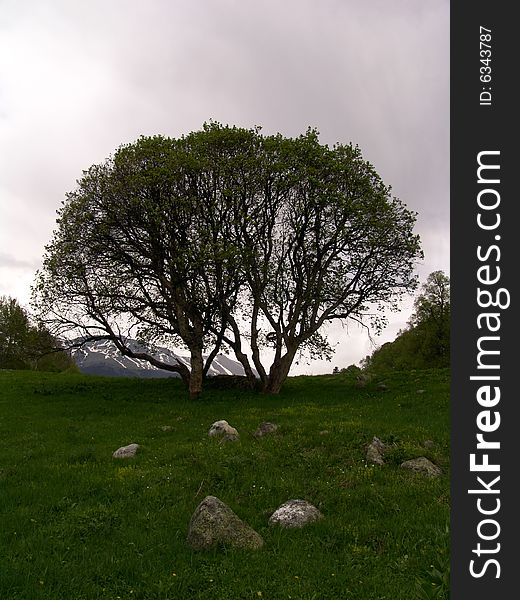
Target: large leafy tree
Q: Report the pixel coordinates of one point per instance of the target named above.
(141, 250)
(227, 238)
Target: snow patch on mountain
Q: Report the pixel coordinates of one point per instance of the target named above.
(103, 358)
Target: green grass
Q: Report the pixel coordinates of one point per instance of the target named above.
(77, 524)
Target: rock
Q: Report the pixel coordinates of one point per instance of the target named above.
(295, 513)
(381, 387)
(324, 432)
(166, 428)
(361, 381)
(265, 428)
(375, 452)
(224, 429)
(213, 522)
(377, 443)
(429, 444)
(126, 451)
(421, 391)
(422, 465)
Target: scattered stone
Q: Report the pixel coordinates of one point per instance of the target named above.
(375, 452)
(166, 428)
(224, 429)
(381, 387)
(429, 444)
(126, 451)
(361, 381)
(422, 465)
(265, 428)
(295, 513)
(421, 391)
(213, 522)
(325, 432)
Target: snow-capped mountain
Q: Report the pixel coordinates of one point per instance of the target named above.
(103, 358)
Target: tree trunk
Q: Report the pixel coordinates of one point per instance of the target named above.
(196, 375)
(236, 344)
(184, 372)
(244, 361)
(254, 347)
(278, 373)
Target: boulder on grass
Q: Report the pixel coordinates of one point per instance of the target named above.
(213, 523)
(295, 513)
(126, 451)
(224, 430)
(423, 466)
(375, 451)
(265, 428)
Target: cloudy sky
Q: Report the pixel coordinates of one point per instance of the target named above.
(79, 78)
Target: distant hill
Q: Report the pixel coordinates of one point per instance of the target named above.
(103, 358)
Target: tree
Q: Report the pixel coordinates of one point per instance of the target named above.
(14, 328)
(139, 249)
(226, 238)
(425, 343)
(432, 305)
(432, 317)
(324, 241)
(24, 345)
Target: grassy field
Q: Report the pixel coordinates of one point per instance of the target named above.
(77, 524)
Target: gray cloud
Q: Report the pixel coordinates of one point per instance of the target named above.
(14, 262)
(80, 79)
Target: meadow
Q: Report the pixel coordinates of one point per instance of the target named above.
(77, 524)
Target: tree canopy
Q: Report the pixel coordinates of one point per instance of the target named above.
(227, 239)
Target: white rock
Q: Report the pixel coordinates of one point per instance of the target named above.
(223, 428)
(126, 451)
(295, 513)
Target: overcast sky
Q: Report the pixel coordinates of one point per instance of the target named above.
(79, 78)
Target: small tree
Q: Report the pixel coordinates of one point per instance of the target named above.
(24, 345)
(352, 371)
(432, 316)
(14, 330)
